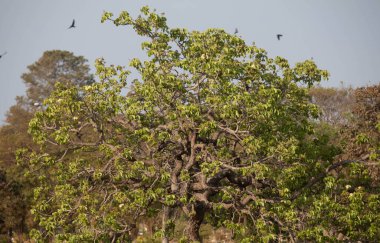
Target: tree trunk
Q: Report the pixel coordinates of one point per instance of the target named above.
(195, 222)
(167, 215)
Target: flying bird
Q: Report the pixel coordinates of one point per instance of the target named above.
(72, 24)
(236, 31)
(279, 36)
(3, 54)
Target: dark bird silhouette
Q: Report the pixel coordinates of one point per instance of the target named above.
(72, 24)
(3, 54)
(236, 31)
(279, 36)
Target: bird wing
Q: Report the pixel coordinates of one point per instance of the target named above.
(72, 24)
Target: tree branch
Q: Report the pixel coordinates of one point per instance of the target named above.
(322, 175)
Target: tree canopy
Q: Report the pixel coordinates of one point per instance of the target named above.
(54, 66)
(212, 128)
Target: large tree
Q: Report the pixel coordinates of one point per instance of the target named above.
(212, 127)
(54, 66)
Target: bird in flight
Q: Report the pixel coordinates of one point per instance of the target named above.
(72, 24)
(236, 31)
(279, 36)
(3, 54)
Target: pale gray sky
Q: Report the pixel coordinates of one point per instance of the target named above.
(342, 36)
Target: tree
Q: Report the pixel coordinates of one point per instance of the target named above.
(212, 127)
(54, 66)
(13, 208)
(367, 122)
(354, 113)
(13, 192)
(350, 205)
(362, 136)
(335, 104)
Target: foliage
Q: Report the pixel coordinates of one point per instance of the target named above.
(349, 209)
(366, 127)
(54, 66)
(212, 127)
(336, 104)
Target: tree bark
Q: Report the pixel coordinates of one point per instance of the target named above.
(195, 221)
(167, 215)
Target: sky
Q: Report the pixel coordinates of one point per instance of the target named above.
(341, 36)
